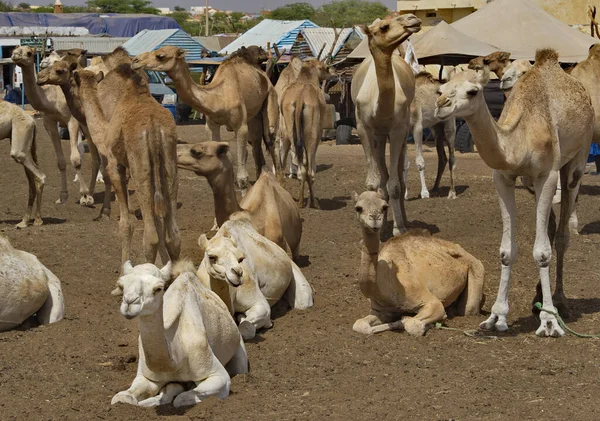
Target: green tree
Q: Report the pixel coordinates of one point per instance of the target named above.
(6, 6)
(123, 6)
(179, 9)
(349, 12)
(24, 6)
(294, 11)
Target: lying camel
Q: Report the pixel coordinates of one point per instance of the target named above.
(238, 256)
(20, 127)
(186, 335)
(28, 288)
(412, 274)
(270, 207)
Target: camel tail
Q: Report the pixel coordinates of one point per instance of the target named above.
(299, 130)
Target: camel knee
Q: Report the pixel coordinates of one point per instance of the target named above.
(18, 156)
(394, 189)
(542, 254)
(508, 255)
(420, 162)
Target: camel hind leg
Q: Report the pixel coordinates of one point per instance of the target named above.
(217, 383)
(255, 134)
(299, 293)
(53, 309)
(52, 129)
(239, 363)
(77, 161)
(471, 299)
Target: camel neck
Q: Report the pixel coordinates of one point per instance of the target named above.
(221, 288)
(36, 95)
(154, 343)
(199, 97)
(386, 83)
(73, 103)
(224, 196)
(92, 109)
(367, 276)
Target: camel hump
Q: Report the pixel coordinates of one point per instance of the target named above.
(182, 266)
(546, 55)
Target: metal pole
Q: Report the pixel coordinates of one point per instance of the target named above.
(206, 12)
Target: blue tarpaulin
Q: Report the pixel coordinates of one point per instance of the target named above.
(111, 24)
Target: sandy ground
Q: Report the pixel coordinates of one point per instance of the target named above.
(311, 365)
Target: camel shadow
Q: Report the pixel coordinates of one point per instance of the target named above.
(388, 228)
(99, 197)
(47, 221)
(324, 167)
(335, 203)
(589, 190)
(591, 228)
(303, 261)
(444, 190)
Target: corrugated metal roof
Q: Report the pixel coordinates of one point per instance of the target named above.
(281, 32)
(215, 43)
(148, 40)
(316, 37)
(94, 45)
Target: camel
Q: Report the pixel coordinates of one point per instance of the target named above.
(270, 207)
(383, 89)
(50, 59)
(109, 62)
(239, 257)
(496, 62)
(186, 336)
(303, 112)
(20, 127)
(512, 73)
(413, 273)
(28, 288)
(239, 91)
(422, 115)
(141, 137)
(546, 128)
(50, 101)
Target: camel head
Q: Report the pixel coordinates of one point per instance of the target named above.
(387, 35)
(204, 158)
(319, 69)
(496, 62)
(58, 73)
(161, 60)
(371, 209)
(74, 55)
(594, 52)
(223, 259)
(460, 95)
(23, 56)
(49, 60)
(513, 73)
(117, 57)
(253, 54)
(143, 288)
(86, 80)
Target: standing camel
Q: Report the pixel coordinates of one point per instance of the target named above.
(239, 92)
(141, 137)
(20, 127)
(50, 101)
(383, 89)
(545, 129)
(497, 62)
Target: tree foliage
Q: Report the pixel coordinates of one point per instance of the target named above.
(6, 6)
(294, 11)
(349, 12)
(123, 6)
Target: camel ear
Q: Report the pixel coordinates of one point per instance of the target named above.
(222, 149)
(118, 291)
(127, 267)
(180, 53)
(504, 56)
(355, 197)
(100, 76)
(365, 30)
(77, 78)
(165, 272)
(73, 66)
(203, 242)
(83, 52)
(381, 193)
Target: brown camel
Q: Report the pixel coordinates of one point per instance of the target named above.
(496, 62)
(303, 112)
(271, 208)
(50, 101)
(383, 89)
(545, 129)
(141, 137)
(238, 92)
(413, 273)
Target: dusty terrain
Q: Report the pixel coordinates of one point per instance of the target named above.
(311, 365)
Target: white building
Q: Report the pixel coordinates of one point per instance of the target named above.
(164, 10)
(200, 10)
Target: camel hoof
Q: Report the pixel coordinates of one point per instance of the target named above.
(414, 326)
(315, 205)
(124, 397)
(76, 179)
(22, 224)
(64, 196)
(549, 326)
(37, 222)
(556, 199)
(424, 194)
(186, 399)
(494, 322)
(99, 178)
(150, 402)
(247, 330)
(117, 292)
(452, 195)
(86, 200)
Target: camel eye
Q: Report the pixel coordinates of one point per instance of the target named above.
(358, 209)
(212, 258)
(472, 92)
(157, 290)
(240, 260)
(160, 56)
(59, 71)
(384, 208)
(385, 28)
(196, 154)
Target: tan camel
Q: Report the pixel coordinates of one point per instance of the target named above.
(141, 137)
(496, 62)
(422, 116)
(303, 112)
(513, 72)
(412, 274)
(546, 128)
(383, 89)
(28, 288)
(50, 101)
(271, 208)
(238, 92)
(20, 127)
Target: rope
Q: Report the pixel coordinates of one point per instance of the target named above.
(562, 324)
(472, 333)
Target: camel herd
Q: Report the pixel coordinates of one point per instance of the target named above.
(193, 320)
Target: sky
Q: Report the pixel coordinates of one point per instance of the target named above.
(237, 5)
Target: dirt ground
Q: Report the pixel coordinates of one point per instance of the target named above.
(310, 365)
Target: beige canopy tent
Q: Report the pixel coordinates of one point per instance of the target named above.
(520, 27)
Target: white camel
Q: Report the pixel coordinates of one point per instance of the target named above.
(259, 272)
(28, 288)
(186, 336)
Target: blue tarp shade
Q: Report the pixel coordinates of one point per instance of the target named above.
(111, 24)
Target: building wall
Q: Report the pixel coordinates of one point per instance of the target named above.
(569, 11)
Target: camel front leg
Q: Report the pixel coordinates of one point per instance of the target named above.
(52, 129)
(255, 133)
(165, 396)
(215, 130)
(256, 317)
(241, 137)
(395, 186)
(119, 181)
(367, 140)
(140, 389)
(450, 137)
(542, 251)
(77, 160)
(419, 161)
(217, 383)
(95, 160)
(106, 206)
(505, 187)
(30, 200)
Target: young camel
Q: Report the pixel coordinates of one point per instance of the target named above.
(141, 137)
(383, 89)
(50, 101)
(270, 207)
(422, 115)
(546, 128)
(186, 336)
(239, 92)
(28, 288)
(20, 127)
(303, 112)
(251, 273)
(412, 274)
